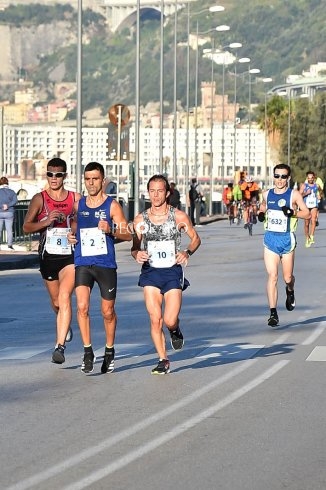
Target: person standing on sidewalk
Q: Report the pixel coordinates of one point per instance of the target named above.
(98, 220)
(49, 214)
(157, 247)
(279, 211)
(8, 199)
(195, 196)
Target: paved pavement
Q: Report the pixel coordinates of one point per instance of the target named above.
(20, 258)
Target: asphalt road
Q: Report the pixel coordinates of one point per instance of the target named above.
(242, 409)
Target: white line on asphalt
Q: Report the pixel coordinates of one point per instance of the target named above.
(136, 454)
(176, 431)
(281, 339)
(315, 334)
(104, 445)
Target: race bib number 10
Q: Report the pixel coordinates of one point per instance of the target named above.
(162, 254)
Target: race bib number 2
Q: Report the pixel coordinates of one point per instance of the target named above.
(162, 254)
(92, 242)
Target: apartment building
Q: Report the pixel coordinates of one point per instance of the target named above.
(228, 150)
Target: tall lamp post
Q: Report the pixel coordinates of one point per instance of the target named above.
(213, 9)
(266, 80)
(220, 28)
(79, 139)
(240, 60)
(137, 111)
(251, 71)
(161, 85)
(216, 55)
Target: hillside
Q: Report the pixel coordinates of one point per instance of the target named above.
(281, 37)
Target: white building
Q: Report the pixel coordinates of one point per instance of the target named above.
(39, 143)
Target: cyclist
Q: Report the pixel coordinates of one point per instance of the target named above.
(228, 201)
(250, 193)
(237, 201)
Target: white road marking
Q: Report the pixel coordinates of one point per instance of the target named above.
(17, 353)
(315, 334)
(177, 430)
(281, 339)
(129, 431)
(317, 354)
(231, 351)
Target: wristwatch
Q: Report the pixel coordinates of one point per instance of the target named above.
(189, 252)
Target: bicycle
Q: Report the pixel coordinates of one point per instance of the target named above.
(239, 216)
(252, 216)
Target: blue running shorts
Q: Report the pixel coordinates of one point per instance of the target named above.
(280, 243)
(164, 279)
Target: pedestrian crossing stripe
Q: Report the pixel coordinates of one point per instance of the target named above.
(122, 351)
(229, 352)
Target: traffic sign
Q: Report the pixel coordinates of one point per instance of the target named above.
(119, 110)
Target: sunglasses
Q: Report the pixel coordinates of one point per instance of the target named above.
(280, 176)
(56, 174)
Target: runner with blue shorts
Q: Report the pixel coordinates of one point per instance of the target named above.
(157, 247)
(279, 210)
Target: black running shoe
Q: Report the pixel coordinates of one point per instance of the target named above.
(88, 362)
(69, 335)
(58, 355)
(290, 300)
(108, 362)
(163, 367)
(176, 339)
(273, 320)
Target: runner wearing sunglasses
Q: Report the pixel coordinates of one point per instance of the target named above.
(49, 214)
(279, 210)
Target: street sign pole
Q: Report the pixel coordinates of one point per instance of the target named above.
(119, 115)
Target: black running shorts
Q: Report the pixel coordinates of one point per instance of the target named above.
(87, 275)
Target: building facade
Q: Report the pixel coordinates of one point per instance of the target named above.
(215, 151)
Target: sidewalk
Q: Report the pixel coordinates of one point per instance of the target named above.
(20, 258)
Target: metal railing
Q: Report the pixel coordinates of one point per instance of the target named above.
(20, 237)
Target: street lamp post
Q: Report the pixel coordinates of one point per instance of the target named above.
(251, 71)
(220, 28)
(266, 80)
(161, 85)
(213, 9)
(174, 162)
(137, 110)
(231, 46)
(79, 139)
(240, 60)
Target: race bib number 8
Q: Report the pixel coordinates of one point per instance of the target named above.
(57, 242)
(276, 221)
(92, 242)
(162, 254)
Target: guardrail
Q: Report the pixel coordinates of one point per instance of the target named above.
(20, 237)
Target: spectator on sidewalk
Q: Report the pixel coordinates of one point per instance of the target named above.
(8, 199)
(195, 197)
(174, 197)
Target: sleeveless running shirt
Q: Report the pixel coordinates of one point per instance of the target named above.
(276, 221)
(161, 242)
(93, 246)
(311, 200)
(53, 240)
